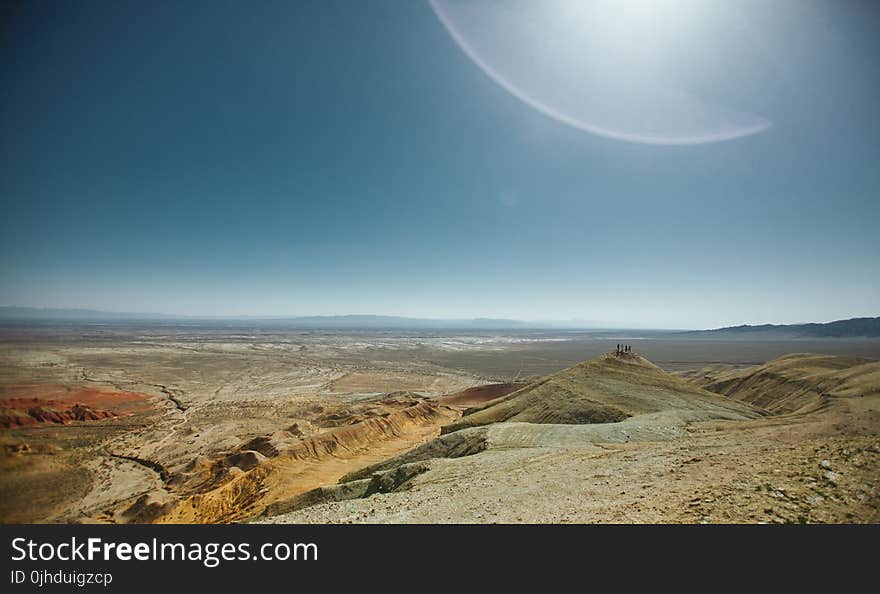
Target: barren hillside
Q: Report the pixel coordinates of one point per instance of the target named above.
(799, 382)
(607, 389)
(671, 452)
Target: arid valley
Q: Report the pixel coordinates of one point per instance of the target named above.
(190, 423)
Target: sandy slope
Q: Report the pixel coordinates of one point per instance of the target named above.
(198, 399)
(606, 389)
(799, 382)
(683, 454)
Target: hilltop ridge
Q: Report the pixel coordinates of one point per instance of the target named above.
(798, 382)
(607, 389)
(674, 451)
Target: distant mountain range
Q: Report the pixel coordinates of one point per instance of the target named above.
(390, 322)
(852, 328)
(13, 312)
(24, 314)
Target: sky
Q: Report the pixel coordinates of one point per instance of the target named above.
(320, 158)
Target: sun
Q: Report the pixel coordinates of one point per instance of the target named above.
(607, 67)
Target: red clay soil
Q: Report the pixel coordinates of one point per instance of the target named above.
(32, 404)
(480, 394)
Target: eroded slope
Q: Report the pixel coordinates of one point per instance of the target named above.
(531, 471)
(798, 382)
(607, 389)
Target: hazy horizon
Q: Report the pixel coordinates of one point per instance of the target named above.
(678, 165)
(425, 320)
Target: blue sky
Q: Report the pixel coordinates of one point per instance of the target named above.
(304, 158)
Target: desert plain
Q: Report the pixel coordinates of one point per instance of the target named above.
(165, 422)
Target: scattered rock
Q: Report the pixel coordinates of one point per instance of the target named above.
(148, 507)
(245, 460)
(17, 448)
(831, 477)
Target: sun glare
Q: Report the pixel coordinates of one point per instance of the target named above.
(608, 67)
